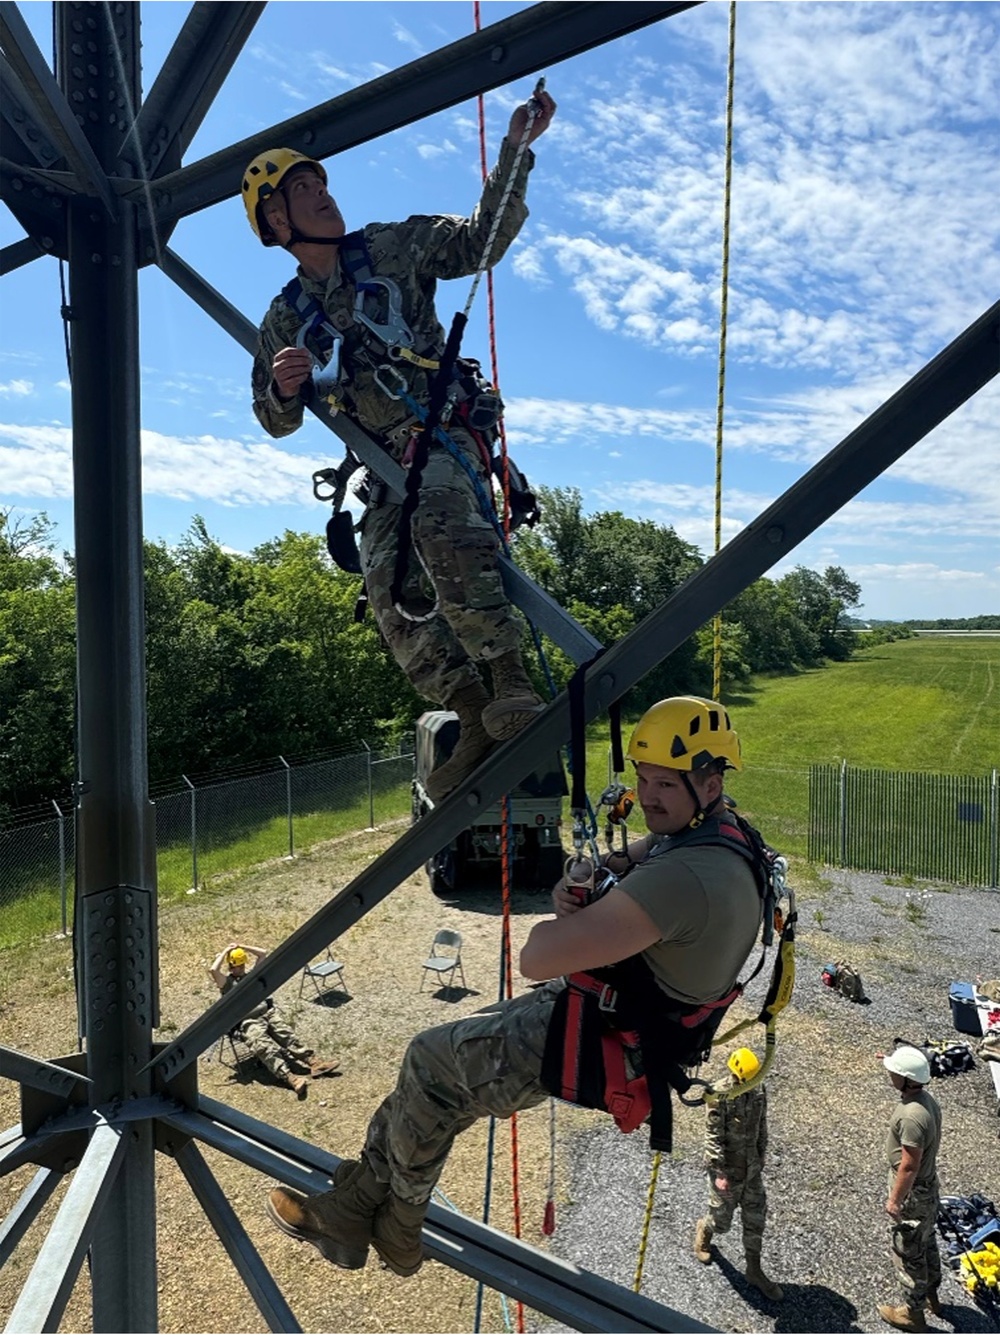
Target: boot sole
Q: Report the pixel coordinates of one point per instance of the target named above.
(506, 721)
(395, 1266)
(345, 1257)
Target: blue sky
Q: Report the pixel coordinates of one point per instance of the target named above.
(865, 236)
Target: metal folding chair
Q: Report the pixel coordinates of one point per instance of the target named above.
(441, 963)
(326, 976)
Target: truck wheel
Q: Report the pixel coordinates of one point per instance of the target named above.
(441, 873)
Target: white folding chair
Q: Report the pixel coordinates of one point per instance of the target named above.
(441, 963)
(326, 976)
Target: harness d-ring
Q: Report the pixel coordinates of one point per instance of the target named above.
(700, 1100)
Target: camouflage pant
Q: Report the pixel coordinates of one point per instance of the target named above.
(914, 1247)
(457, 547)
(745, 1193)
(271, 1040)
(452, 1075)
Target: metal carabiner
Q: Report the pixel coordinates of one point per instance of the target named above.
(395, 333)
(401, 379)
(324, 377)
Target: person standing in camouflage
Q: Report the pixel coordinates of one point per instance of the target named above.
(735, 1146)
(912, 1143)
(471, 640)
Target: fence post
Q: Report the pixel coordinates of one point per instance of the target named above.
(194, 832)
(994, 833)
(62, 863)
(371, 791)
(288, 805)
(843, 813)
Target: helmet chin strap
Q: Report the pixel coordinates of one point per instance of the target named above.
(299, 238)
(700, 812)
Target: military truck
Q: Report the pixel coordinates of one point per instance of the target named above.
(535, 816)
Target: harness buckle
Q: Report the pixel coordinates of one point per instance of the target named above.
(608, 999)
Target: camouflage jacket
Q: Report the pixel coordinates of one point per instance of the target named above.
(414, 254)
(736, 1133)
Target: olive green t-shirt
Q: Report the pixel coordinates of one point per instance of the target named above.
(705, 903)
(916, 1124)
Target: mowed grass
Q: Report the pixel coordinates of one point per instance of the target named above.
(929, 705)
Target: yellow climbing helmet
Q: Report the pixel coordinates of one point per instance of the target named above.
(685, 732)
(237, 958)
(265, 175)
(744, 1064)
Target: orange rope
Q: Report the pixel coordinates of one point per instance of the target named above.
(505, 824)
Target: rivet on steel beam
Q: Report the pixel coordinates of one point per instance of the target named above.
(775, 534)
(497, 54)
(473, 800)
(68, 1165)
(47, 244)
(309, 136)
(606, 681)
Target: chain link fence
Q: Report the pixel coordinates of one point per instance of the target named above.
(205, 825)
(942, 827)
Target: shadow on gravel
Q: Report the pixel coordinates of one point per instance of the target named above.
(331, 1000)
(963, 1318)
(805, 1307)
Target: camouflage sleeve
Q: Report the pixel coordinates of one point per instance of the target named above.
(275, 416)
(452, 247)
(715, 1136)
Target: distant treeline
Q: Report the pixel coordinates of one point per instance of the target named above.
(253, 656)
(956, 623)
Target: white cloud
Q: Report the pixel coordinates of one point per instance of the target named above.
(430, 151)
(16, 388)
(36, 462)
(406, 38)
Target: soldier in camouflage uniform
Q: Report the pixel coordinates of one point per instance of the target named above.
(473, 638)
(735, 1146)
(693, 915)
(912, 1143)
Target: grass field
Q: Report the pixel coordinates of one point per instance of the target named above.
(928, 705)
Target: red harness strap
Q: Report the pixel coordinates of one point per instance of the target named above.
(703, 1012)
(626, 1100)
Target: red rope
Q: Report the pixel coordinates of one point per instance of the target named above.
(505, 824)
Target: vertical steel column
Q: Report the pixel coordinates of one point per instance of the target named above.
(97, 49)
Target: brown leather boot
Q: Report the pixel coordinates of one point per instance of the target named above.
(396, 1236)
(760, 1281)
(703, 1241)
(300, 1083)
(903, 1318)
(338, 1223)
(934, 1300)
(514, 702)
(473, 746)
(317, 1067)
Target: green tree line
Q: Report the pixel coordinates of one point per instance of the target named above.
(250, 656)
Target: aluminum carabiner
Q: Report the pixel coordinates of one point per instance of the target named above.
(395, 333)
(324, 376)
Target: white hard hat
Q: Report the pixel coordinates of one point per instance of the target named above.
(910, 1063)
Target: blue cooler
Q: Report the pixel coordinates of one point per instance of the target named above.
(964, 1012)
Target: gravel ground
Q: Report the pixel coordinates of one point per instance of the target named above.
(829, 1101)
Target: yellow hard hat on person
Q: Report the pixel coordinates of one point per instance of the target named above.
(237, 958)
(265, 175)
(685, 732)
(744, 1064)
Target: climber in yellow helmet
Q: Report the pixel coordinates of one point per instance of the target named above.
(654, 961)
(735, 1149)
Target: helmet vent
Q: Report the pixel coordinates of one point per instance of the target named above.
(713, 720)
(677, 748)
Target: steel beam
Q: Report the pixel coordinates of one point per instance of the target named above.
(98, 61)
(19, 120)
(244, 1255)
(50, 105)
(538, 606)
(39, 205)
(557, 1288)
(957, 372)
(43, 1299)
(39, 1074)
(526, 42)
(26, 1211)
(195, 69)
